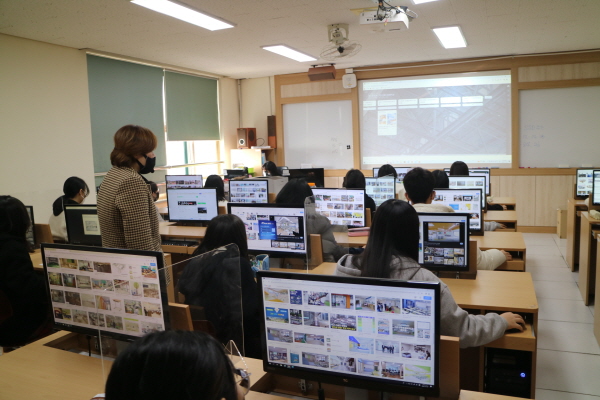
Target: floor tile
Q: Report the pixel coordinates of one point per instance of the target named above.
(567, 336)
(542, 394)
(537, 260)
(568, 372)
(591, 307)
(550, 274)
(538, 239)
(556, 289)
(543, 250)
(564, 310)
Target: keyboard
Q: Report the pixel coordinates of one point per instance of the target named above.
(187, 243)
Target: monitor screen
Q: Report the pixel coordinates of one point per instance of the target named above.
(274, 229)
(31, 229)
(585, 182)
(596, 188)
(249, 191)
(401, 171)
(369, 333)
(189, 205)
(479, 172)
(341, 206)
(444, 241)
(236, 173)
(314, 176)
(469, 182)
(463, 201)
(184, 181)
(115, 291)
(381, 189)
(82, 224)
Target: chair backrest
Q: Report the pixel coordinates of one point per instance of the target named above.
(43, 234)
(180, 316)
(6, 310)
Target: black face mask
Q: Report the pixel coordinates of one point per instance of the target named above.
(149, 167)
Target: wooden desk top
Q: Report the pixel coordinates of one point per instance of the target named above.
(343, 239)
(191, 232)
(501, 216)
(36, 259)
(509, 241)
(586, 218)
(576, 203)
(508, 201)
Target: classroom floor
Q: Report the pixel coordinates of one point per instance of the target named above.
(568, 364)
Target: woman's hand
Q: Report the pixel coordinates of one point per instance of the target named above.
(515, 321)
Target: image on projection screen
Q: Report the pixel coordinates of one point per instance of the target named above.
(436, 119)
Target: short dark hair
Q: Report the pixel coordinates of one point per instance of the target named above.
(355, 179)
(419, 184)
(386, 170)
(14, 218)
(215, 181)
(394, 232)
(132, 141)
(223, 230)
(441, 179)
(459, 168)
(73, 185)
(172, 365)
(271, 167)
(294, 192)
(153, 186)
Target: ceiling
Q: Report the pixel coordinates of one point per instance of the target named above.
(491, 27)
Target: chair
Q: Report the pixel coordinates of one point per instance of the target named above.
(43, 234)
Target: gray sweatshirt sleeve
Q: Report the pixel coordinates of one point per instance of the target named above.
(490, 225)
(489, 259)
(473, 330)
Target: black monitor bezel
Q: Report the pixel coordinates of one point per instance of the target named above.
(199, 175)
(193, 220)
(594, 187)
(245, 180)
(363, 382)
(69, 231)
(272, 252)
(483, 198)
(32, 225)
(96, 332)
(299, 173)
(579, 197)
(473, 232)
(364, 206)
(468, 261)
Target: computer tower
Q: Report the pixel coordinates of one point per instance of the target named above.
(508, 372)
(246, 137)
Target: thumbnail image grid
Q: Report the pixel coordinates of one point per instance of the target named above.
(341, 209)
(248, 192)
(275, 232)
(380, 190)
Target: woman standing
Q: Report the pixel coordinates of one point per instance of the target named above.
(75, 191)
(126, 210)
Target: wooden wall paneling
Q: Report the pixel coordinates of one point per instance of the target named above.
(313, 89)
(495, 184)
(522, 188)
(559, 72)
(331, 181)
(551, 194)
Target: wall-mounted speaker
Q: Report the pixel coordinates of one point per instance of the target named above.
(272, 132)
(246, 137)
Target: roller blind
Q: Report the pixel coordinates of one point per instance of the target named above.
(192, 107)
(123, 93)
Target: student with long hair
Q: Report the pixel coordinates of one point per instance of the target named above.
(459, 168)
(23, 289)
(215, 181)
(174, 365)
(75, 190)
(392, 252)
(355, 179)
(270, 169)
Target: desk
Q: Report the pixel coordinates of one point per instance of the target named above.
(597, 314)
(509, 202)
(512, 242)
(508, 218)
(343, 239)
(573, 227)
(587, 257)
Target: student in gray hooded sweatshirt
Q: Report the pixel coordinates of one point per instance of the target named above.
(392, 252)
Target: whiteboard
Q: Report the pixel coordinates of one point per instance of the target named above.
(560, 127)
(319, 134)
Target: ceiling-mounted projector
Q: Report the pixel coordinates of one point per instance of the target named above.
(391, 22)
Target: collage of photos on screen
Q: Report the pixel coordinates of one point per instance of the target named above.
(283, 231)
(585, 182)
(184, 181)
(248, 192)
(118, 297)
(462, 203)
(368, 335)
(380, 190)
(341, 209)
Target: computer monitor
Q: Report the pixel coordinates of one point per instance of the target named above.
(596, 188)
(284, 171)
(236, 173)
(463, 201)
(314, 176)
(381, 189)
(584, 182)
(377, 334)
(444, 241)
(183, 181)
(479, 172)
(31, 230)
(275, 229)
(401, 171)
(249, 191)
(341, 206)
(192, 205)
(82, 224)
(469, 182)
(114, 292)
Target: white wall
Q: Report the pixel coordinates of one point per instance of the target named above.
(257, 104)
(45, 133)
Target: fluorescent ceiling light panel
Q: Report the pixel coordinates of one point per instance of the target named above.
(451, 37)
(285, 51)
(183, 13)
(422, 1)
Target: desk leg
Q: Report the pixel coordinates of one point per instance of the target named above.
(584, 261)
(597, 314)
(572, 236)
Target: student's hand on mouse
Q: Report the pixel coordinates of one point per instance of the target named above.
(515, 321)
(507, 255)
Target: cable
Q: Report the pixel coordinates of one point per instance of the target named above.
(89, 339)
(321, 392)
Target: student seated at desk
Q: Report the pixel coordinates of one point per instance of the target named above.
(270, 169)
(355, 179)
(175, 365)
(441, 179)
(75, 191)
(461, 168)
(22, 289)
(215, 181)
(419, 184)
(155, 195)
(392, 252)
(201, 283)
